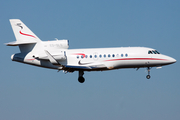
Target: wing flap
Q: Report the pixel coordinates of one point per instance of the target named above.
(75, 67)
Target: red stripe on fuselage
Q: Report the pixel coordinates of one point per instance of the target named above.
(26, 34)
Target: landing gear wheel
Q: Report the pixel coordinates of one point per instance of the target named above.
(81, 79)
(148, 76)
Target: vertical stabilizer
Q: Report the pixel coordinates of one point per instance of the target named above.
(22, 32)
(25, 38)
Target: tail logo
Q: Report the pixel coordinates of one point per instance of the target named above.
(19, 24)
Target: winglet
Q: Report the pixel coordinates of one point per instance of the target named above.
(52, 59)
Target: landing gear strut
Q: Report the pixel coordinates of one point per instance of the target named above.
(148, 76)
(81, 78)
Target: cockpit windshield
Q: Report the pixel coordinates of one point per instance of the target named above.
(157, 52)
(153, 52)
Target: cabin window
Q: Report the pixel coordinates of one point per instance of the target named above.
(126, 54)
(104, 55)
(86, 56)
(113, 55)
(95, 56)
(78, 57)
(121, 55)
(100, 56)
(117, 55)
(82, 56)
(90, 56)
(109, 55)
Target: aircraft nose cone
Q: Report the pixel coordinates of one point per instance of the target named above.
(12, 56)
(172, 60)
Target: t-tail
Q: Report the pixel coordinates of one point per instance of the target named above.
(33, 51)
(25, 38)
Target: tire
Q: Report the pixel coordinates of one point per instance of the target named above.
(81, 79)
(148, 76)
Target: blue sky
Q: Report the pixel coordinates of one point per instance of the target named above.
(28, 92)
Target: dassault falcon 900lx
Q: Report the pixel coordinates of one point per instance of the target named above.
(56, 55)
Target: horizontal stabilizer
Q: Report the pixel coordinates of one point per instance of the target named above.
(16, 43)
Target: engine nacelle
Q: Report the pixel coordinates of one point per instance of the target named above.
(57, 44)
(58, 55)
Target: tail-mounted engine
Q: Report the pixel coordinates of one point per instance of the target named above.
(57, 44)
(58, 55)
(56, 48)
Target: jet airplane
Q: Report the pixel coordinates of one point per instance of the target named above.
(56, 55)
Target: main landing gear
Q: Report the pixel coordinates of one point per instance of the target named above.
(148, 76)
(81, 78)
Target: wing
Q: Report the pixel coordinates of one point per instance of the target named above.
(71, 68)
(94, 67)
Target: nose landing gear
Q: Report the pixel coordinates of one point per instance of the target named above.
(81, 78)
(148, 76)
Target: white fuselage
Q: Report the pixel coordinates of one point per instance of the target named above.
(113, 58)
(98, 58)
